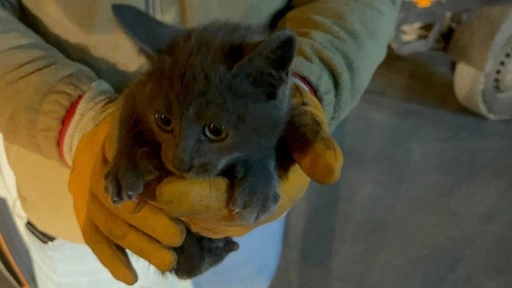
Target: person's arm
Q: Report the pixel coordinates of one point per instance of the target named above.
(341, 43)
(37, 85)
(47, 104)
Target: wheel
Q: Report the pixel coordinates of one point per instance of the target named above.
(482, 49)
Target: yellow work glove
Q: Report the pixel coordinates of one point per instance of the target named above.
(203, 203)
(141, 228)
(107, 229)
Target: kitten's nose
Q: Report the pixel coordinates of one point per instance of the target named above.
(181, 166)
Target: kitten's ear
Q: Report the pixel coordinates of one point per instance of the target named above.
(269, 64)
(148, 33)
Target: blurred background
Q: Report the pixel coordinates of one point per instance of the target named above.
(425, 198)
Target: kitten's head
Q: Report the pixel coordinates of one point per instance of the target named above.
(214, 93)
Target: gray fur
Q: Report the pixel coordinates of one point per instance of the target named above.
(225, 74)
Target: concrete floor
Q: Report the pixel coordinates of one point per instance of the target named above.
(425, 199)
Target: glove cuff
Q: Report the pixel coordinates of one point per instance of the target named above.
(83, 114)
(303, 83)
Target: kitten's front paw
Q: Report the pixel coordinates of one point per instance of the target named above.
(123, 183)
(252, 202)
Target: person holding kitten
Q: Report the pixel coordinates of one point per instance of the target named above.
(63, 65)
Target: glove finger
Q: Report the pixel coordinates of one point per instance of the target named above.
(291, 191)
(153, 221)
(186, 197)
(146, 217)
(307, 135)
(211, 217)
(217, 230)
(131, 238)
(108, 253)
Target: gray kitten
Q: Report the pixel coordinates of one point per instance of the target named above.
(215, 101)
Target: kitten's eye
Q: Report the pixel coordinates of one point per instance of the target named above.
(163, 122)
(215, 133)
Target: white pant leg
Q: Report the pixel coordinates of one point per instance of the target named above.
(64, 264)
(67, 264)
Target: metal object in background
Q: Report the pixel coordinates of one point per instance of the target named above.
(429, 25)
(477, 36)
(482, 49)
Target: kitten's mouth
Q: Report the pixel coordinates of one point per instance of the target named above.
(194, 172)
(178, 172)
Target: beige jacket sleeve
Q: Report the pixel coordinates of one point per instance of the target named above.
(37, 85)
(341, 43)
